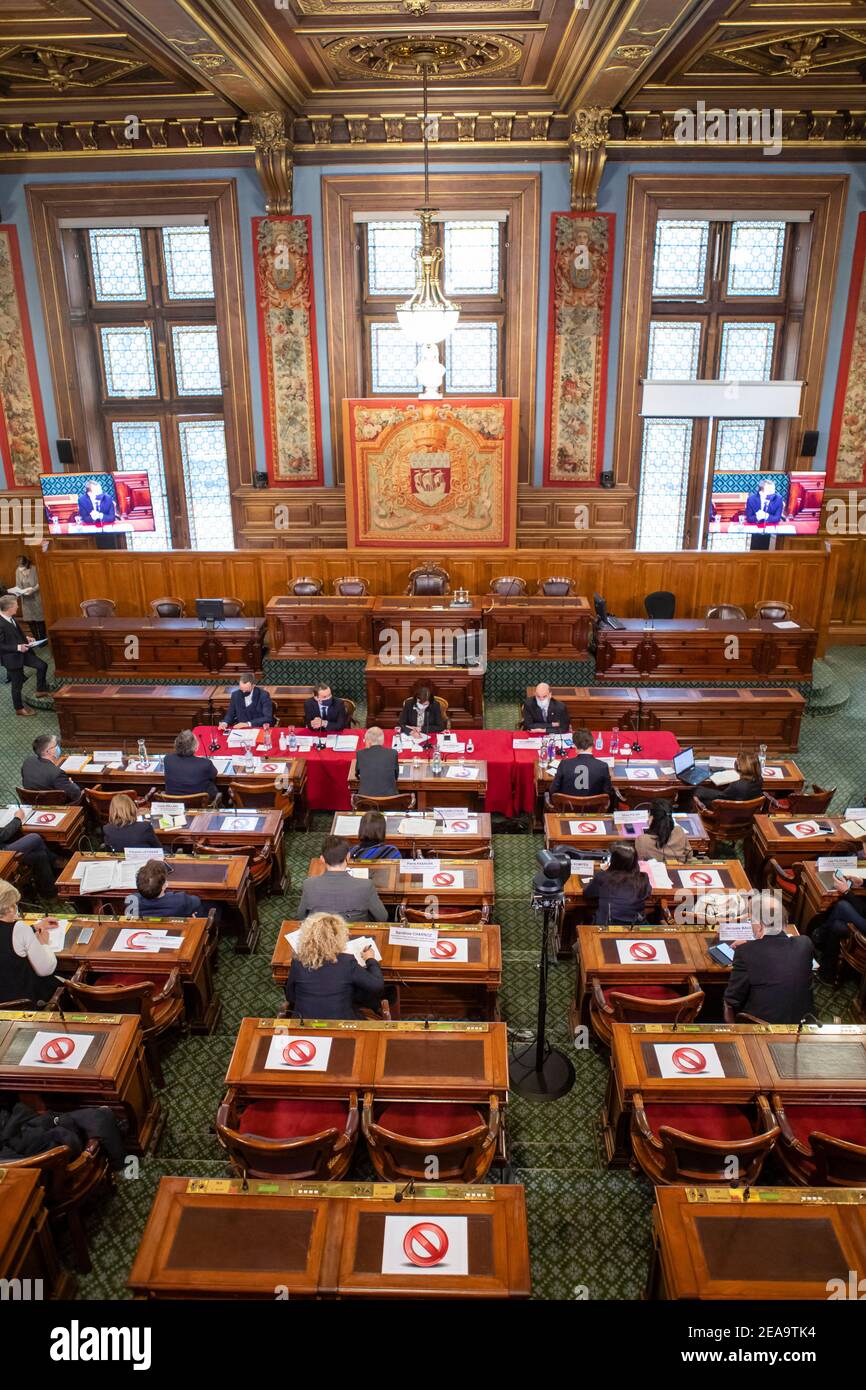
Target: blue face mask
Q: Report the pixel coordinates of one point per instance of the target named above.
(58, 753)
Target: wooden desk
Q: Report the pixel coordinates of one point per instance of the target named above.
(699, 649)
(773, 838)
(129, 776)
(389, 686)
(117, 716)
(12, 868)
(421, 837)
(93, 942)
(686, 882)
(395, 887)
(724, 721)
(265, 832)
(817, 892)
(783, 1243)
(614, 956)
(113, 1071)
(575, 832)
(207, 877)
(60, 826)
(782, 777)
(310, 625)
(27, 1250)
(431, 791)
(446, 988)
(100, 646)
(411, 616)
(395, 1061)
(518, 626)
(215, 1239)
(596, 706)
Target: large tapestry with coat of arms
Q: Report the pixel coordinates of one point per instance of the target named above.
(431, 472)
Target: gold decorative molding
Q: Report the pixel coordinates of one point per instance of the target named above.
(272, 140)
(322, 128)
(503, 123)
(466, 123)
(358, 129)
(587, 147)
(397, 59)
(394, 128)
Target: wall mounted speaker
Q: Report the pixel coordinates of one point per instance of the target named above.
(65, 452)
(260, 480)
(607, 479)
(809, 444)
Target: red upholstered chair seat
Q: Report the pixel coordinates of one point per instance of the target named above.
(419, 1120)
(846, 1122)
(642, 991)
(292, 1119)
(703, 1121)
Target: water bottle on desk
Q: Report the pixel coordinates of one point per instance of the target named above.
(142, 750)
(599, 742)
(292, 740)
(470, 747)
(614, 742)
(551, 750)
(762, 755)
(267, 744)
(249, 765)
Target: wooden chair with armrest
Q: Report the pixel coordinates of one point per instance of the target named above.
(157, 1002)
(429, 580)
(443, 705)
(822, 1145)
(289, 1138)
(401, 801)
(98, 607)
(643, 1002)
(852, 953)
(506, 585)
(401, 1137)
(259, 857)
(306, 586)
(578, 805)
(784, 879)
(351, 586)
(728, 822)
(233, 607)
(813, 803)
(33, 796)
(633, 797)
(407, 912)
(730, 611)
(98, 800)
(456, 852)
(44, 1006)
(167, 607)
(777, 610)
(351, 706)
(263, 794)
(695, 1143)
(68, 1182)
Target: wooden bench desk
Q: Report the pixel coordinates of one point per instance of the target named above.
(455, 883)
(725, 720)
(447, 987)
(100, 647)
(224, 1239)
(308, 625)
(422, 836)
(389, 685)
(427, 614)
(775, 837)
(27, 1250)
(578, 833)
(688, 881)
(447, 790)
(620, 956)
(60, 826)
(261, 827)
(521, 626)
(596, 706)
(104, 715)
(818, 891)
(699, 649)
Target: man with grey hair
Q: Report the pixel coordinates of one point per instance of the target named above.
(16, 652)
(378, 766)
(771, 977)
(186, 774)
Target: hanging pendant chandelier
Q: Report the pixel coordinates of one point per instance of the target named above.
(428, 316)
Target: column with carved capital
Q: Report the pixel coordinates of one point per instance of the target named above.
(587, 144)
(272, 138)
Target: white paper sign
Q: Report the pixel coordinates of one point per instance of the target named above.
(443, 878)
(138, 855)
(240, 824)
(584, 868)
(700, 878)
(687, 1059)
(359, 873)
(642, 951)
(346, 825)
(112, 755)
(587, 827)
(631, 817)
(418, 866)
(640, 774)
(656, 872)
(735, 931)
(803, 829)
(357, 945)
(855, 828)
(717, 761)
(57, 936)
(464, 774)
(772, 774)
(74, 763)
(418, 1244)
(57, 1050)
(298, 1052)
(412, 936)
(856, 813)
(829, 863)
(140, 939)
(168, 808)
(460, 827)
(446, 950)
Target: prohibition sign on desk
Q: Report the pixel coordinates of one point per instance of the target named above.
(443, 880)
(689, 1059)
(698, 876)
(425, 1244)
(642, 950)
(586, 827)
(57, 1050)
(299, 1052)
(444, 950)
(45, 818)
(458, 825)
(132, 944)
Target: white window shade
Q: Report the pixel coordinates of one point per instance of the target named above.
(724, 400)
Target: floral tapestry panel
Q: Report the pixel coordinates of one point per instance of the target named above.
(23, 441)
(846, 449)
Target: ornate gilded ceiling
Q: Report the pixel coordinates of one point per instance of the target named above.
(338, 73)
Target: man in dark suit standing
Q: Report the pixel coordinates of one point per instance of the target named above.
(771, 977)
(542, 712)
(422, 714)
(16, 653)
(378, 766)
(337, 890)
(250, 706)
(40, 771)
(583, 775)
(323, 713)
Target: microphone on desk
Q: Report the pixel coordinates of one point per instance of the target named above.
(807, 1018)
(407, 1191)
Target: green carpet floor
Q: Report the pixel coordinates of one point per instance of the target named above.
(589, 1227)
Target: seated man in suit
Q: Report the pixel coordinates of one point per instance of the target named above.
(16, 652)
(151, 899)
(771, 977)
(32, 851)
(764, 505)
(422, 714)
(249, 707)
(377, 766)
(95, 507)
(336, 890)
(39, 771)
(324, 713)
(584, 775)
(544, 713)
(185, 772)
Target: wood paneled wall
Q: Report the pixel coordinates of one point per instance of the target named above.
(805, 578)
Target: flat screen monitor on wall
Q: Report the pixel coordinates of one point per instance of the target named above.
(93, 504)
(781, 504)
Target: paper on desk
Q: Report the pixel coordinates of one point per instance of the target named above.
(356, 945)
(241, 824)
(787, 623)
(772, 774)
(631, 817)
(346, 825)
(856, 813)
(345, 743)
(857, 828)
(5, 818)
(717, 761)
(423, 826)
(125, 874)
(449, 949)
(146, 939)
(223, 764)
(359, 873)
(168, 808)
(463, 774)
(700, 878)
(656, 872)
(449, 812)
(412, 936)
(57, 935)
(96, 767)
(640, 774)
(143, 765)
(141, 855)
(468, 825)
(805, 829)
(735, 931)
(527, 744)
(98, 875)
(74, 763)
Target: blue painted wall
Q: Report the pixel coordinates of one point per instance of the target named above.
(554, 197)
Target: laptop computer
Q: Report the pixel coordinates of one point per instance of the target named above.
(688, 770)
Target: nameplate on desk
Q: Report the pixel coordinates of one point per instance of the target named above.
(413, 936)
(776, 1196)
(33, 1017)
(364, 1025)
(353, 1191)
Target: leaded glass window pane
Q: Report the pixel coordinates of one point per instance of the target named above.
(472, 359)
(206, 482)
(471, 257)
(673, 351)
(755, 263)
(664, 481)
(728, 540)
(137, 449)
(739, 445)
(188, 266)
(391, 264)
(393, 360)
(747, 351)
(680, 261)
(127, 355)
(197, 360)
(118, 265)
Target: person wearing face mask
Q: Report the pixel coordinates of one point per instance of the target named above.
(422, 714)
(40, 770)
(541, 711)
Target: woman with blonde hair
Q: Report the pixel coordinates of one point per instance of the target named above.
(326, 979)
(124, 830)
(27, 962)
